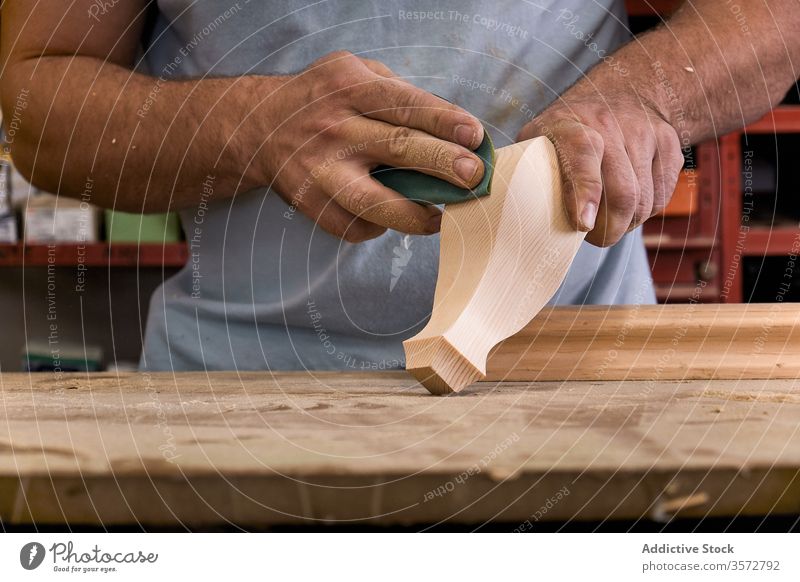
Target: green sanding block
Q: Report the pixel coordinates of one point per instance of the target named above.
(423, 188)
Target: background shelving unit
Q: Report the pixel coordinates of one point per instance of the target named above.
(709, 251)
(762, 221)
(683, 247)
(94, 255)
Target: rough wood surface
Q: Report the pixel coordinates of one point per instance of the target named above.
(258, 449)
(502, 258)
(654, 342)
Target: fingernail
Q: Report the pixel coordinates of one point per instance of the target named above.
(465, 169)
(434, 223)
(467, 136)
(589, 216)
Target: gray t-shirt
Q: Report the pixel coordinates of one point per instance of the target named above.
(266, 289)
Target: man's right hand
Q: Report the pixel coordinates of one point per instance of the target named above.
(150, 145)
(330, 125)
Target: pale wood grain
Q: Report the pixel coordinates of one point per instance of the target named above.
(502, 258)
(258, 449)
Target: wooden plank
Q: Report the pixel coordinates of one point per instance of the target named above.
(653, 343)
(258, 449)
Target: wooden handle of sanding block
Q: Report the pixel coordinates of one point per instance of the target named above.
(502, 258)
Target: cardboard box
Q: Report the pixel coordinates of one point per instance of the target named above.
(8, 229)
(8, 221)
(51, 218)
(686, 198)
(5, 187)
(21, 189)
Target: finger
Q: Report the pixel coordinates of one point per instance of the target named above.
(580, 154)
(381, 69)
(378, 68)
(620, 195)
(667, 166)
(335, 220)
(399, 103)
(401, 147)
(641, 149)
(364, 197)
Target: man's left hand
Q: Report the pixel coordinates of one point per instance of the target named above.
(619, 158)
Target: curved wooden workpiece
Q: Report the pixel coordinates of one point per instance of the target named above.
(502, 258)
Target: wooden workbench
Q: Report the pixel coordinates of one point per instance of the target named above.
(260, 449)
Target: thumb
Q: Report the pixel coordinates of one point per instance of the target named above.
(580, 155)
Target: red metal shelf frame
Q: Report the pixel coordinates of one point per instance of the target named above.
(737, 243)
(94, 255)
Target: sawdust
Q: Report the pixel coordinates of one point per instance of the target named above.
(773, 397)
(76, 385)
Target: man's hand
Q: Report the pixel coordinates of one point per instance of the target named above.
(313, 136)
(619, 160)
(344, 116)
(709, 69)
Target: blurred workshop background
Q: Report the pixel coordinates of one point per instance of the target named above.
(727, 236)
